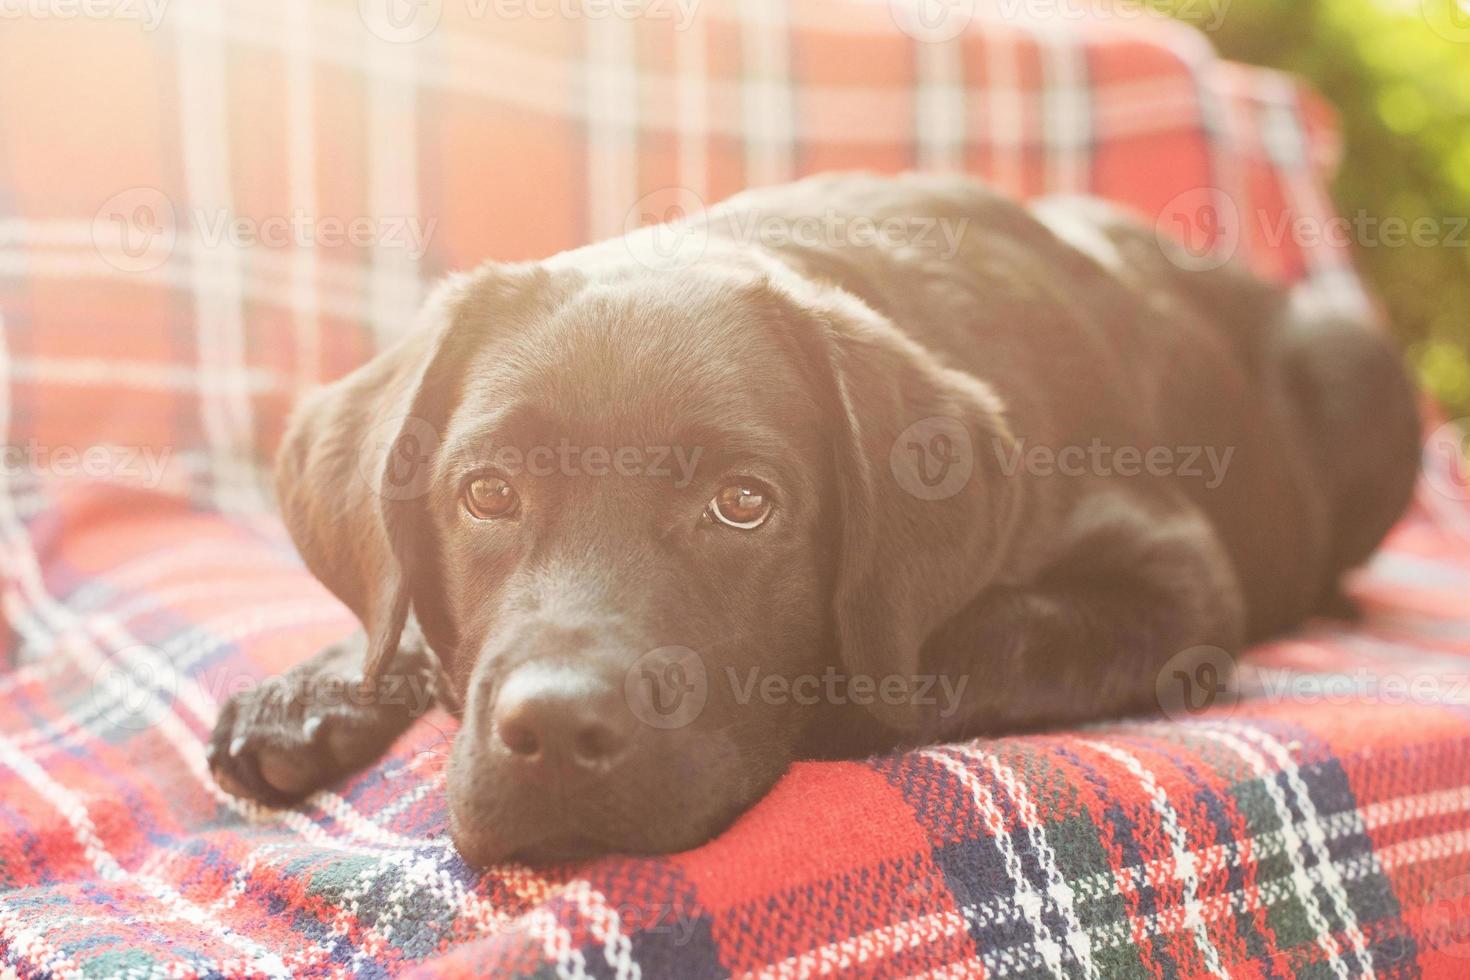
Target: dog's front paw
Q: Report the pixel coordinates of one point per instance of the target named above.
(295, 733)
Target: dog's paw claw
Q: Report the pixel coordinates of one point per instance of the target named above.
(249, 728)
(294, 734)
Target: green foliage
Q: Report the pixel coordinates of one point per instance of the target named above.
(1398, 72)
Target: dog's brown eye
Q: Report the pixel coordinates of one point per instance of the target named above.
(743, 505)
(489, 498)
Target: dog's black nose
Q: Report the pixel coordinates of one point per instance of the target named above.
(561, 718)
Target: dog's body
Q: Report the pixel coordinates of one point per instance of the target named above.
(1047, 463)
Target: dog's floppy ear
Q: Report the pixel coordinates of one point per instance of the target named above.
(358, 456)
(926, 505)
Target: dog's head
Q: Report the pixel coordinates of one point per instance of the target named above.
(653, 526)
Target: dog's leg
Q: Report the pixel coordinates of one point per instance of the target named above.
(318, 722)
(1134, 589)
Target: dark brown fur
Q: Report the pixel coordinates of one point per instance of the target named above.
(1058, 597)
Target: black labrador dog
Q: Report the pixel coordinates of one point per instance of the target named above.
(833, 467)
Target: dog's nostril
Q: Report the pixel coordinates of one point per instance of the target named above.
(520, 738)
(597, 743)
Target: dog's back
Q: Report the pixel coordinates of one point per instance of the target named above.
(1096, 332)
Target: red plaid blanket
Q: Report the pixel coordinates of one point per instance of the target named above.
(205, 208)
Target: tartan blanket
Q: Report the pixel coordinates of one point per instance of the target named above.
(207, 207)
